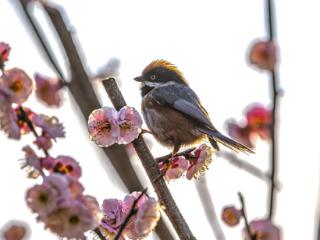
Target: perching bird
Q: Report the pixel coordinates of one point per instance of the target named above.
(173, 112)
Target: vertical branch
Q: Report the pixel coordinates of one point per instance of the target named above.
(244, 214)
(84, 95)
(274, 94)
(151, 167)
(207, 203)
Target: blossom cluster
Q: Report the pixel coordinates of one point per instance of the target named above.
(59, 201)
(261, 229)
(263, 54)
(194, 163)
(145, 215)
(257, 124)
(108, 126)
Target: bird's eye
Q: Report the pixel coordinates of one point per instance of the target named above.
(153, 77)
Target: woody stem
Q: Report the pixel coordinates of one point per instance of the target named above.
(151, 167)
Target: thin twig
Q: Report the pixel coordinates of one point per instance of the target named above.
(168, 156)
(152, 169)
(131, 213)
(98, 233)
(208, 206)
(26, 119)
(274, 93)
(236, 161)
(84, 95)
(243, 210)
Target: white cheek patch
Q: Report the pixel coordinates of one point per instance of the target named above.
(152, 84)
(157, 85)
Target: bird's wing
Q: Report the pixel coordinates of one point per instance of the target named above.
(184, 100)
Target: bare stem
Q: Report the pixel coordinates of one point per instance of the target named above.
(168, 156)
(208, 206)
(131, 213)
(26, 119)
(243, 210)
(274, 94)
(151, 167)
(236, 161)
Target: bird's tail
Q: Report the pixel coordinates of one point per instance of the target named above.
(215, 136)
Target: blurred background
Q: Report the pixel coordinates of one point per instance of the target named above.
(209, 42)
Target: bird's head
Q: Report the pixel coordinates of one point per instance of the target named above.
(159, 73)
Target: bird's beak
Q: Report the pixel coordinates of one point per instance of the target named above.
(139, 79)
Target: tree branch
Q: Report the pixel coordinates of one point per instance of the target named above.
(207, 204)
(243, 210)
(84, 95)
(151, 167)
(274, 94)
(130, 214)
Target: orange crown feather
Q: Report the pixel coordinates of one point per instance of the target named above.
(161, 63)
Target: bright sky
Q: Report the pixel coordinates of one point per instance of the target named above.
(208, 41)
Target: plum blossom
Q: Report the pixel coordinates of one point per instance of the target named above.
(130, 124)
(42, 199)
(263, 229)
(74, 219)
(201, 158)
(231, 215)
(31, 162)
(48, 89)
(8, 122)
(49, 125)
(263, 55)
(112, 210)
(256, 124)
(147, 217)
(103, 127)
(4, 52)
(174, 168)
(259, 119)
(43, 142)
(240, 133)
(107, 126)
(16, 85)
(15, 230)
(67, 165)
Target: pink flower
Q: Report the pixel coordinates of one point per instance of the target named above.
(15, 230)
(112, 215)
(231, 216)
(103, 127)
(263, 55)
(201, 158)
(68, 166)
(31, 162)
(4, 52)
(147, 217)
(240, 133)
(48, 163)
(16, 84)
(48, 89)
(174, 168)
(130, 124)
(74, 219)
(8, 122)
(43, 142)
(50, 126)
(263, 229)
(259, 120)
(42, 199)
(60, 183)
(24, 128)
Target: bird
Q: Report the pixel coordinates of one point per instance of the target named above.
(173, 111)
